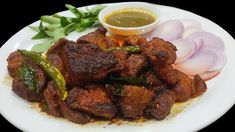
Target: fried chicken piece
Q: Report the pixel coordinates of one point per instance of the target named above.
(54, 55)
(154, 82)
(58, 47)
(135, 40)
(74, 115)
(107, 42)
(135, 100)
(14, 60)
(120, 56)
(168, 74)
(152, 79)
(199, 86)
(159, 52)
(133, 65)
(161, 105)
(87, 62)
(59, 108)
(23, 90)
(183, 88)
(81, 62)
(52, 100)
(57, 61)
(93, 37)
(94, 99)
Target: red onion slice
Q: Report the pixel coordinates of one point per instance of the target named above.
(190, 30)
(185, 49)
(168, 30)
(190, 22)
(208, 39)
(221, 60)
(198, 63)
(209, 75)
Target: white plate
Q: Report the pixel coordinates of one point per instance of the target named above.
(213, 104)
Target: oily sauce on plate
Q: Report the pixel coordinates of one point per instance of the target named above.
(130, 18)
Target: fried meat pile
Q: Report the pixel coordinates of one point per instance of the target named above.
(108, 83)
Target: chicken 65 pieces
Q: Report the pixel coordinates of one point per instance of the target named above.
(102, 79)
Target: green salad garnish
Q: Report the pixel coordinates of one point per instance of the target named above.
(54, 27)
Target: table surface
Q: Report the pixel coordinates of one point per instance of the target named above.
(19, 14)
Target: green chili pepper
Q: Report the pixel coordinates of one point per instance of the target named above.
(53, 72)
(131, 49)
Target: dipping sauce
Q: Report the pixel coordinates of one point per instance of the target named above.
(130, 18)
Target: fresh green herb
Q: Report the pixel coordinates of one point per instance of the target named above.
(55, 26)
(42, 47)
(41, 34)
(58, 33)
(28, 75)
(131, 49)
(50, 19)
(74, 10)
(53, 72)
(35, 28)
(64, 22)
(52, 27)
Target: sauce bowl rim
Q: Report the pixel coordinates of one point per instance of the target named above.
(117, 7)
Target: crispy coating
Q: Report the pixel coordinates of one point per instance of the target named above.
(52, 100)
(14, 60)
(183, 88)
(135, 40)
(107, 42)
(58, 47)
(55, 54)
(135, 100)
(93, 37)
(57, 61)
(59, 108)
(120, 56)
(88, 70)
(154, 82)
(159, 52)
(22, 90)
(199, 86)
(168, 74)
(152, 79)
(161, 105)
(94, 99)
(87, 62)
(133, 65)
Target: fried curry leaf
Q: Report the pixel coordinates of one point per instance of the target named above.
(28, 75)
(118, 89)
(130, 80)
(44, 107)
